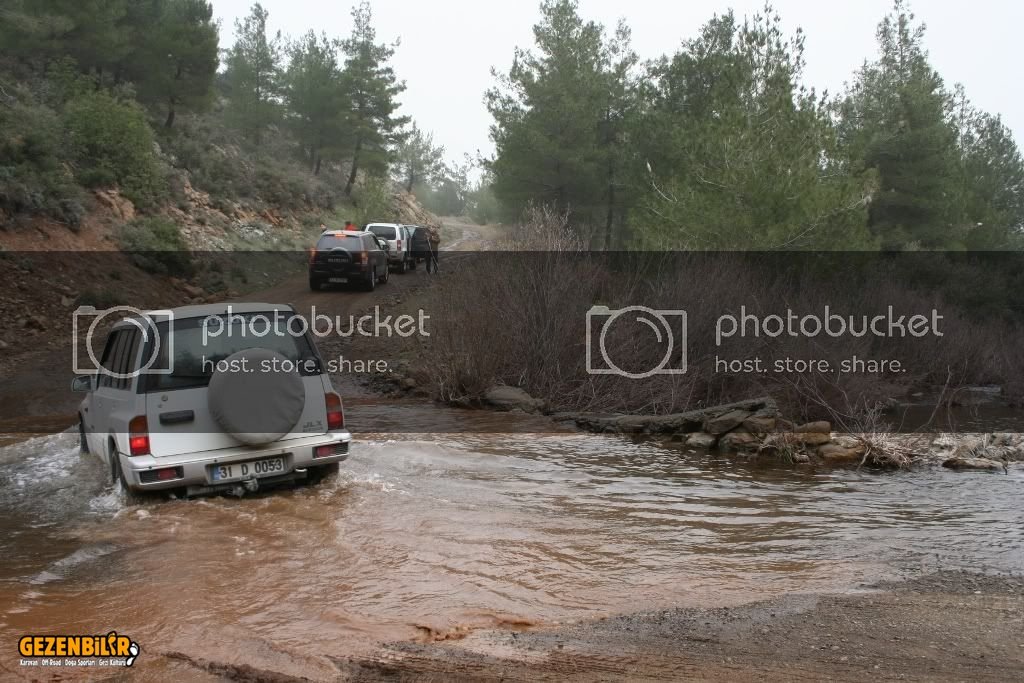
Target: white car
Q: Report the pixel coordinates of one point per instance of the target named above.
(212, 398)
(399, 240)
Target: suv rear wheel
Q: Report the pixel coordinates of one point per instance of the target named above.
(383, 279)
(315, 284)
(83, 443)
(371, 283)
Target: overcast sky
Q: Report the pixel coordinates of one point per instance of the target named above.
(449, 46)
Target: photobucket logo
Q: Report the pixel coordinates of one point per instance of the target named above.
(832, 324)
(279, 323)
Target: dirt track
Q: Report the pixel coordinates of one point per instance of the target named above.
(945, 627)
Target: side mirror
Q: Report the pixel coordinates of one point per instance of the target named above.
(82, 384)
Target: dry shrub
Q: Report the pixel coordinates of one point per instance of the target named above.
(520, 318)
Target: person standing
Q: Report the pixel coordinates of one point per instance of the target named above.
(434, 239)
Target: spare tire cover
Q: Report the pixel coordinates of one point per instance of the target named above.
(254, 399)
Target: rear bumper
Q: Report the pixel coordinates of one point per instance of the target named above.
(196, 469)
(354, 273)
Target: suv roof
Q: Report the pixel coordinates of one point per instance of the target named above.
(342, 233)
(205, 310)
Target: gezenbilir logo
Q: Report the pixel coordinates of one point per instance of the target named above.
(110, 646)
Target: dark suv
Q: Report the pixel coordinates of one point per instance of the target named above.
(342, 258)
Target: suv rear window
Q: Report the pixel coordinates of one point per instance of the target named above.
(351, 242)
(200, 343)
(383, 231)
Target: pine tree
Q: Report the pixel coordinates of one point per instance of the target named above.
(313, 95)
(418, 159)
(372, 91)
(254, 75)
(175, 61)
(548, 112)
(991, 171)
(894, 121)
(738, 154)
(92, 32)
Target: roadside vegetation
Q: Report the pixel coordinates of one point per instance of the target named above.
(723, 145)
(141, 97)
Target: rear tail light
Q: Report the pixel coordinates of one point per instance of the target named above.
(360, 257)
(399, 245)
(164, 474)
(335, 413)
(138, 436)
(312, 255)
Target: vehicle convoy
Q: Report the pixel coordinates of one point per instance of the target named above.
(399, 244)
(342, 258)
(210, 398)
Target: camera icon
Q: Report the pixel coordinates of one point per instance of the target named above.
(153, 351)
(669, 329)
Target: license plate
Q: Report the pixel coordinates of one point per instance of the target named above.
(338, 280)
(249, 470)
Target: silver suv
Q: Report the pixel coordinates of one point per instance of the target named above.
(212, 398)
(399, 240)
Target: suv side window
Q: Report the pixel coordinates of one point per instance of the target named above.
(370, 243)
(127, 363)
(109, 353)
(119, 357)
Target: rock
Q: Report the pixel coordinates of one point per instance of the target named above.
(510, 398)
(66, 301)
(701, 440)
(850, 442)
(409, 383)
(801, 459)
(3, 345)
(814, 428)
(118, 205)
(760, 424)
(835, 454)
(738, 441)
(812, 439)
(192, 291)
(34, 322)
(975, 464)
(726, 422)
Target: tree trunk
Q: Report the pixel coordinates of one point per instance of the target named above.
(355, 168)
(409, 185)
(611, 213)
(170, 116)
(319, 160)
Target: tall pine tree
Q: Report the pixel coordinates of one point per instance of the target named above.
(372, 89)
(894, 121)
(254, 75)
(314, 97)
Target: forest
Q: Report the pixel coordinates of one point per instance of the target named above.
(720, 146)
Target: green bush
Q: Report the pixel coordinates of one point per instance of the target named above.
(156, 245)
(33, 178)
(111, 142)
(373, 199)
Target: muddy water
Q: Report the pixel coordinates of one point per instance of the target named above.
(423, 535)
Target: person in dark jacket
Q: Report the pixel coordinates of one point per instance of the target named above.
(434, 240)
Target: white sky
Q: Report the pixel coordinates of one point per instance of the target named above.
(448, 46)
